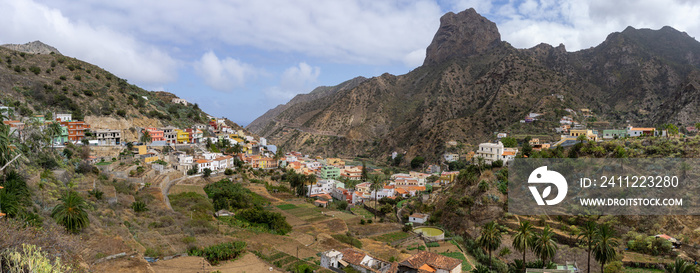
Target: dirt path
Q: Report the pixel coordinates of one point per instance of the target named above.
(247, 263)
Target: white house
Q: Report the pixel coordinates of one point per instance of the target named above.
(492, 152)
(180, 101)
(501, 135)
(321, 187)
(418, 218)
(330, 258)
(63, 117)
(263, 141)
(450, 157)
(185, 159)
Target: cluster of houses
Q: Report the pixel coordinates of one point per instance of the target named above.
(399, 185)
(422, 261)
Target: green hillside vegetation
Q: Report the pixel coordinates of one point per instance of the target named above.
(42, 84)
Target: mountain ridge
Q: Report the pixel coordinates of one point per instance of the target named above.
(482, 85)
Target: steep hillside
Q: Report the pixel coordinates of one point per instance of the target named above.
(46, 83)
(473, 84)
(300, 104)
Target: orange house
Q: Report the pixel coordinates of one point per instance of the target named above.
(156, 135)
(76, 129)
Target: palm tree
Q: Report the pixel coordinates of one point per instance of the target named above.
(146, 137)
(311, 179)
(72, 212)
(8, 149)
(377, 184)
(605, 244)
(490, 238)
(544, 246)
(54, 130)
(681, 266)
(522, 241)
(588, 233)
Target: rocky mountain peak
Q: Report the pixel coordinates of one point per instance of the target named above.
(36, 47)
(460, 35)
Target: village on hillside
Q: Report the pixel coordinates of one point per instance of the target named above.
(335, 186)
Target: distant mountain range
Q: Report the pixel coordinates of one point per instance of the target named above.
(472, 84)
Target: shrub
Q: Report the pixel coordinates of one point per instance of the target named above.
(220, 252)
(87, 92)
(228, 172)
(139, 206)
(77, 77)
(274, 220)
(207, 172)
(35, 69)
(63, 78)
(96, 193)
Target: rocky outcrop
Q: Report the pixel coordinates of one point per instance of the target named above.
(36, 47)
(461, 35)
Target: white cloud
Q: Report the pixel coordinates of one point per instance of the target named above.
(294, 80)
(352, 31)
(24, 21)
(223, 74)
(583, 24)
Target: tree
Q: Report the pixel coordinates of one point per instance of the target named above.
(363, 175)
(681, 266)
(377, 184)
(523, 239)
(605, 244)
(71, 212)
(207, 172)
(582, 138)
(417, 162)
(670, 129)
(146, 137)
(53, 131)
(490, 238)
(588, 233)
(8, 148)
(509, 142)
(544, 246)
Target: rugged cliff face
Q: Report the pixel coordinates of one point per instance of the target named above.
(473, 84)
(462, 35)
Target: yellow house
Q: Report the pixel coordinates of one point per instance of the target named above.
(150, 159)
(182, 136)
(140, 150)
(335, 162)
(448, 177)
(588, 133)
(237, 139)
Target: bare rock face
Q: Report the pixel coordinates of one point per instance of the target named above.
(36, 47)
(461, 35)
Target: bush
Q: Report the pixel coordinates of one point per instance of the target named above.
(96, 193)
(35, 69)
(341, 205)
(274, 220)
(207, 172)
(139, 206)
(77, 77)
(63, 78)
(228, 171)
(220, 252)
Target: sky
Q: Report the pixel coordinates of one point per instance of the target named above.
(237, 59)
